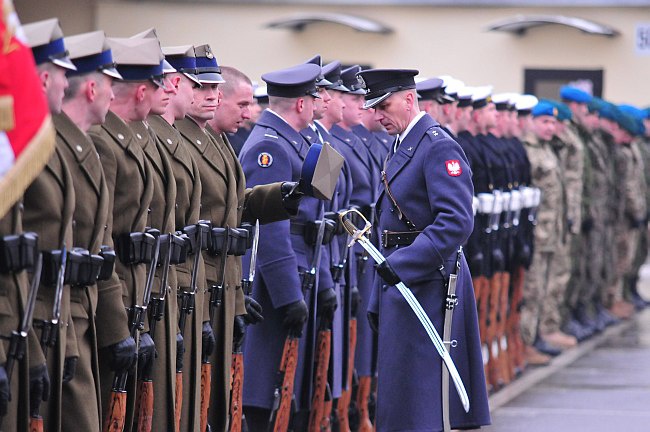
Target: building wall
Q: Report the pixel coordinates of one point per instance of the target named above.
(435, 40)
(75, 16)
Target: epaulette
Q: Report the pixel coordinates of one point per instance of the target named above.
(271, 134)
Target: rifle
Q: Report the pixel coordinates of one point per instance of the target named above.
(116, 415)
(216, 292)
(237, 420)
(49, 335)
(318, 410)
(156, 310)
(198, 240)
(283, 392)
(18, 338)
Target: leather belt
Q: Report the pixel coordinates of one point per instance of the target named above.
(398, 238)
(18, 252)
(309, 231)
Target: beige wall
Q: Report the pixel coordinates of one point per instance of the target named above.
(434, 40)
(75, 16)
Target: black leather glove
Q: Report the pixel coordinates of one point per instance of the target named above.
(180, 351)
(373, 320)
(238, 331)
(587, 225)
(355, 300)
(208, 339)
(39, 385)
(124, 354)
(388, 274)
(253, 311)
(295, 314)
(4, 391)
(146, 355)
(69, 368)
(327, 304)
(291, 195)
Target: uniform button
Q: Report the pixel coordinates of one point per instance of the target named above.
(384, 287)
(169, 141)
(120, 136)
(79, 148)
(138, 135)
(198, 141)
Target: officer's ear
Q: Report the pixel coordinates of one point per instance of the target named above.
(300, 104)
(140, 92)
(91, 90)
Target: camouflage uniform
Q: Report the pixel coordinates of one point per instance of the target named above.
(547, 279)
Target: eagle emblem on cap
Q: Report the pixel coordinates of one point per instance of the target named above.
(361, 81)
(453, 167)
(208, 53)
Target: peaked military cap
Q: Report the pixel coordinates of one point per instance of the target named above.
(525, 104)
(183, 60)
(321, 81)
(544, 108)
(481, 97)
(451, 86)
(207, 68)
(46, 41)
(574, 94)
(381, 83)
(502, 101)
(90, 52)
(332, 73)
(150, 33)
(464, 95)
(350, 80)
(430, 89)
(293, 82)
(138, 59)
(261, 94)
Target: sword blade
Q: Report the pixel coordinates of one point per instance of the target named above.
(256, 241)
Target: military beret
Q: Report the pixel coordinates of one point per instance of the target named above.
(46, 41)
(628, 123)
(563, 111)
(350, 81)
(574, 94)
(430, 89)
(293, 82)
(207, 68)
(609, 111)
(183, 59)
(381, 83)
(332, 73)
(90, 52)
(633, 111)
(595, 104)
(321, 81)
(138, 59)
(544, 109)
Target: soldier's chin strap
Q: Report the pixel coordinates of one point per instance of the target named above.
(450, 303)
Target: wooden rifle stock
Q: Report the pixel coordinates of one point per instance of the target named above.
(144, 405)
(504, 362)
(323, 352)
(237, 391)
(283, 393)
(363, 395)
(494, 372)
(36, 424)
(206, 373)
(178, 401)
(343, 406)
(515, 342)
(116, 416)
(326, 419)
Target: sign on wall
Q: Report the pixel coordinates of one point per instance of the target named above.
(642, 39)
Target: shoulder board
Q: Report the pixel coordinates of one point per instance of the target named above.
(270, 133)
(436, 133)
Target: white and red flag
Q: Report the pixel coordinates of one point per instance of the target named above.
(26, 132)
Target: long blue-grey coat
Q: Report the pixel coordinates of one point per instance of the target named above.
(430, 178)
(275, 152)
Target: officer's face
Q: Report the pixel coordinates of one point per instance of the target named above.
(544, 127)
(335, 108)
(234, 108)
(321, 105)
(54, 84)
(162, 96)
(181, 102)
(103, 98)
(463, 117)
(205, 102)
(368, 119)
(353, 109)
(393, 113)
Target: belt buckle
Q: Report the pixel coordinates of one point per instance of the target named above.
(384, 238)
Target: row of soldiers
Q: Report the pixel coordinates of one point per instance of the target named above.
(561, 226)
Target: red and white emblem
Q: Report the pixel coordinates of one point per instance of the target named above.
(453, 168)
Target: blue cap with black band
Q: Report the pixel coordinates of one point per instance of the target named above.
(381, 83)
(293, 82)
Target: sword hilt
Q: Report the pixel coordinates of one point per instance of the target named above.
(352, 230)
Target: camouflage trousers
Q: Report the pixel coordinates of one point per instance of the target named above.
(545, 288)
(626, 243)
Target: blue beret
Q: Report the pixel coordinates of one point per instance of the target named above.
(574, 94)
(628, 122)
(609, 111)
(635, 112)
(544, 109)
(595, 105)
(563, 111)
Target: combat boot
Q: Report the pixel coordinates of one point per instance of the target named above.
(622, 309)
(536, 358)
(559, 340)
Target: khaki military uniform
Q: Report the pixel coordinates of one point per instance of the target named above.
(49, 204)
(130, 185)
(161, 217)
(188, 203)
(642, 249)
(97, 311)
(226, 202)
(632, 210)
(14, 289)
(546, 281)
